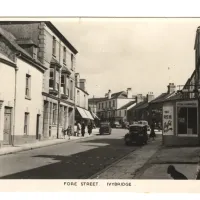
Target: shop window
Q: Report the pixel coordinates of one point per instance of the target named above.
(187, 121)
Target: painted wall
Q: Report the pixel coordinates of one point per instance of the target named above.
(122, 102)
(7, 88)
(35, 105)
(81, 98)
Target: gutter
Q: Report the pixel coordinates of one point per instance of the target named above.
(15, 102)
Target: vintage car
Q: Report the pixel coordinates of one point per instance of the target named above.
(105, 127)
(137, 134)
(117, 125)
(144, 123)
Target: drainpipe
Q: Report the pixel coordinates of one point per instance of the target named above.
(15, 99)
(59, 85)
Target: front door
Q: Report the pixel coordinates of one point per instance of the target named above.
(37, 126)
(7, 126)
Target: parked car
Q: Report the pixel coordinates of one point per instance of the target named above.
(125, 125)
(117, 125)
(137, 134)
(144, 123)
(105, 127)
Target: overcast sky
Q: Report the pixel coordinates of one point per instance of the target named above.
(120, 53)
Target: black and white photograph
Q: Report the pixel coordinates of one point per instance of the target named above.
(100, 98)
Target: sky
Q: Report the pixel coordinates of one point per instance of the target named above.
(144, 54)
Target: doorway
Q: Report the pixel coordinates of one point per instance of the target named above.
(37, 126)
(7, 126)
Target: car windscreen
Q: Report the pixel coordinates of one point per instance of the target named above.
(135, 128)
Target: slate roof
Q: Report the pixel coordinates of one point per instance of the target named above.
(162, 97)
(127, 105)
(96, 100)
(140, 105)
(12, 40)
(118, 95)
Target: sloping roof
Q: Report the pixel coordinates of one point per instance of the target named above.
(140, 105)
(127, 105)
(96, 100)
(12, 40)
(25, 41)
(162, 97)
(118, 95)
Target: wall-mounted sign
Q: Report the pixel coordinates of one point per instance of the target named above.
(187, 104)
(168, 120)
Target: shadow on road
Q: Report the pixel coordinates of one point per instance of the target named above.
(80, 165)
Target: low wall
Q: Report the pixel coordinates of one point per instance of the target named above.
(172, 140)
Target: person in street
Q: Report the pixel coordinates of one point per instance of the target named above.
(175, 174)
(78, 129)
(83, 129)
(69, 131)
(75, 129)
(89, 128)
(152, 133)
(64, 132)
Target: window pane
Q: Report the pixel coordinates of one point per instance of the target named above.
(192, 121)
(182, 120)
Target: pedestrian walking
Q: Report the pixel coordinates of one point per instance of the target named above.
(175, 174)
(83, 129)
(64, 131)
(152, 133)
(89, 128)
(69, 131)
(75, 129)
(78, 129)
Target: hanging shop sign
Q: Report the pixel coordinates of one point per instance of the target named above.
(168, 120)
(187, 104)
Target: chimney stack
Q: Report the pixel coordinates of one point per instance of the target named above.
(77, 77)
(109, 94)
(139, 98)
(82, 84)
(129, 93)
(171, 88)
(150, 96)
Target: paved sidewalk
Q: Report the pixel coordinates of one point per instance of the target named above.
(44, 143)
(127, 167)
(183, 158)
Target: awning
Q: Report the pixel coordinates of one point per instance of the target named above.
(95, 116)
(82, 113)
(89, 115)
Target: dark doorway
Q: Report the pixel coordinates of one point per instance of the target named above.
(37, 126)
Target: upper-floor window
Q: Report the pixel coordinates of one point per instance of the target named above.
(113, 103)
(109, 104)
(28, 86)
(120, 113)
(51, 78)
(64, 55)
(54, 46)
(72, 62)
(78, 96)
(71, 89)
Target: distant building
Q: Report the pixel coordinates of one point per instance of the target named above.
(108, 108)
(81, 100)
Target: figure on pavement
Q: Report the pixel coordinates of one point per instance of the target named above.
(69, 131)
(75, 129)
(152, 133)
(89, 128)
(64, 132)
(83, 129)
(175, 174)
(78, 129)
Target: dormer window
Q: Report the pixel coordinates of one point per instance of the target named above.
(35, 52)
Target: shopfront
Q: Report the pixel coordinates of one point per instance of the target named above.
(180, 123)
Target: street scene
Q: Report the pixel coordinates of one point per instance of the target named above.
(88, 98)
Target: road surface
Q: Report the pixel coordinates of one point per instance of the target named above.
(71, 160)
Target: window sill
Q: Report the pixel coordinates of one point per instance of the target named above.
(28, 98)
(54, 55)
(187, 135)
